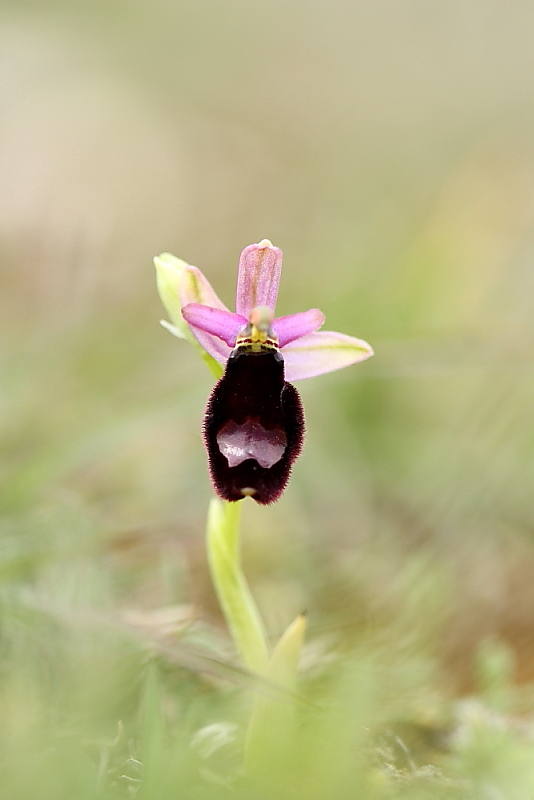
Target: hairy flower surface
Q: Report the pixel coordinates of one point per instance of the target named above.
(254, 423)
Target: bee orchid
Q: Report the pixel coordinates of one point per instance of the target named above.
(254, 421)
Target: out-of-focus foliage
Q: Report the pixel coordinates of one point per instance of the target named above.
(388, 149)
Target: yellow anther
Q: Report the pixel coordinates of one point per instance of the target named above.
(258, 333)
(261, 319)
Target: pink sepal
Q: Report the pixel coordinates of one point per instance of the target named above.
(321, 352)
(258, 277)
(196, 288)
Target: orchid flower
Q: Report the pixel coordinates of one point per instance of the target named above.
(254, 422)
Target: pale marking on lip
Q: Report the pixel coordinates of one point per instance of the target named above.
(238, 443)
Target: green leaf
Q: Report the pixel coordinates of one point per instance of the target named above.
(272, 726)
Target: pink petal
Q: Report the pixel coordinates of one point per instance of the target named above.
(258, 277)
(196, 288)
(294, 326)
(218, 349)
(322, 352)
(215, 321)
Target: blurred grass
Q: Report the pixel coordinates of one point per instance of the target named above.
(387, 148)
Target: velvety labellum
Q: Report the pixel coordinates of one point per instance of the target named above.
(254, 426)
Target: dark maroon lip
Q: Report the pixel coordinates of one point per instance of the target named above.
(256, 417)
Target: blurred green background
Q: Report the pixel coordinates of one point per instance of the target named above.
(388, 149)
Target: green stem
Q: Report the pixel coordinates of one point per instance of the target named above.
(236, 601)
